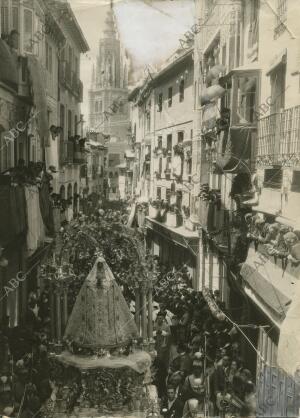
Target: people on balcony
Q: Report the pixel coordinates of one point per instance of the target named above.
(279, 240)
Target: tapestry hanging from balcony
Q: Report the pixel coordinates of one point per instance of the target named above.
(8, 68)
(234, 150)
(38, 81)
(12, 213)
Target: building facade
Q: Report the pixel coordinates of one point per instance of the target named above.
(33, 35)
(162, 132)
(246, 152)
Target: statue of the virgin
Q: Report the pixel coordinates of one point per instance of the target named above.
(100, 318)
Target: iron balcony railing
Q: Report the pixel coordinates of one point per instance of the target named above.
(70, 80)
(279, 137)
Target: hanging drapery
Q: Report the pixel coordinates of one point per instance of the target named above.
(36, 229)
(46, 205)
(38, 82)
(234, 149)
(8, 67)
(12, 213)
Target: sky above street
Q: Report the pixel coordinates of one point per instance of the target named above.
(149, 30)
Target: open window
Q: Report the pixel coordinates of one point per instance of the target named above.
(245, 90)
(159, 102)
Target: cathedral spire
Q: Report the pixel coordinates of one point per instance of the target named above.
(110, 25)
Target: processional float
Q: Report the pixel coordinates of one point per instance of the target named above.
(101, 371)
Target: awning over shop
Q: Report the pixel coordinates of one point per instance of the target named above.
(234, 149)
(8, 67)
(181, 236)
(38, 81)
(272, 284)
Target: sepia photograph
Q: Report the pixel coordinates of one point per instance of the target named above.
(149, 208)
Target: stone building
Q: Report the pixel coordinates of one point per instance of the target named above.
(36, 82)
(247, 155)
(108, 95)
(162, 125)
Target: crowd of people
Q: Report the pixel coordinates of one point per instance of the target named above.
(199, 368)
(25, 371)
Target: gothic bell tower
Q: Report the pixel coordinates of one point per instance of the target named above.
(109, 82)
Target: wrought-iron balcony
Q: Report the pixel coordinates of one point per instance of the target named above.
(69, 79)
(68, 152)
(279, 138)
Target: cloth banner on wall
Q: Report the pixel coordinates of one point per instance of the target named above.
(38, 81)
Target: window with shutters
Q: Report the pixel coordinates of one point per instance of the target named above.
(75, 124)
(15, 18)
(158, 193)
(180, 137)
(280, 18)
(69, 123)
(6, 150)
(160, 166)
(181, 90)
(160, 102)
(253, 31)
(4, 20)
(169, 142)
(278, 76)
(62, 118)
(21, 152)
(170, 96)
(28, 30)
(159, 142)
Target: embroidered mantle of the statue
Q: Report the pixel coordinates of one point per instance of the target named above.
(100, 317)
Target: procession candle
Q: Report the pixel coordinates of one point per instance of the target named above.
(150, 314)
(144, 314)
(58, 316)
(137, 314)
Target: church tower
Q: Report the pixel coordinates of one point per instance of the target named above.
(110, 84)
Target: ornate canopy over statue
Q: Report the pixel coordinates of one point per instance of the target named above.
(100, 318)
(101, 371)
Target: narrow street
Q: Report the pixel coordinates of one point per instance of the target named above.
(78, 328)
